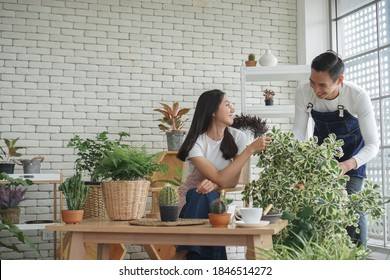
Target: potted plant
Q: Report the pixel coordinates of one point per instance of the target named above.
(124, 172)
(251, 60)
(168, 201)
(7, 165)
(218, 208)
(90, 151)
(75, 192)
(309, 190)
(269, 97)
(172, 124)
(254, 125)
(11, 194)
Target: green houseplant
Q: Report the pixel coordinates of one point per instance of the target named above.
(172, 124)
(168, 201)
(75, 192)
(251, 60)
(11, 194)
(124, 172)
(91, 150)
(309, 189)
(7, 155)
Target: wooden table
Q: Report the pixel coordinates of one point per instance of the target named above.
(105, 232)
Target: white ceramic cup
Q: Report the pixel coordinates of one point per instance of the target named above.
(251, 215)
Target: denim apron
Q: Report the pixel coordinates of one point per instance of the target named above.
(197, 207)
(345, 126)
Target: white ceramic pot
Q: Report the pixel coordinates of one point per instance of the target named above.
(268, 59)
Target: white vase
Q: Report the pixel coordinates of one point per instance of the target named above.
(268, 59)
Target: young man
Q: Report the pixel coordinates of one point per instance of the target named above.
(343, 108)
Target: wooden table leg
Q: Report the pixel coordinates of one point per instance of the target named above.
(259, 241)
(103, 251)
(76, 248)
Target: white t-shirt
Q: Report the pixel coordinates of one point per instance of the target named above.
(210, 149)
(355, 100)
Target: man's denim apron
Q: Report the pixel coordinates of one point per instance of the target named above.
(346, 127)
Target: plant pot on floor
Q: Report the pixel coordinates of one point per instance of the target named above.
(175, 140)
(72, 216)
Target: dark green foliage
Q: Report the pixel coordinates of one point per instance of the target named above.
(252, 123)
(91, 151)
(127, 164)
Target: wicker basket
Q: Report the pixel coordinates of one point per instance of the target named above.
(94, 205)
(125, 200)
(11, 214)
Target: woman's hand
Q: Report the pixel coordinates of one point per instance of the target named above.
(206, 186)
(260, 144)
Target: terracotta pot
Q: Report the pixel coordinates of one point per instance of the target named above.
(250, 63)
(72, 216)
(219, 220)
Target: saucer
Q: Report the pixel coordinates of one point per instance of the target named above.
(257, 225)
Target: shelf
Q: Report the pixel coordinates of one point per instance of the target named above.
(287, 72)
(274, 111)
(39, 178)
(277, 73)
(33, 226)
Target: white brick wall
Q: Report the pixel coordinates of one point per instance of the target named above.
(82, 67)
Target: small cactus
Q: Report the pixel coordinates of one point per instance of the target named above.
(218, 206)
(168, 196)
(251, 57)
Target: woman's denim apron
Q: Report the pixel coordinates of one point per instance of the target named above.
(346, 127)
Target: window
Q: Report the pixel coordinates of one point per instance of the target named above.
(361, 35)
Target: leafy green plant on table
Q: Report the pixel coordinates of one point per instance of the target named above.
(304, 181)
(91, 151)
(12, 150)
(126, 163)
(6, 225)
(75, 192)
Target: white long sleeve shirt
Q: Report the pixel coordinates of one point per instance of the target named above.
(355, 100)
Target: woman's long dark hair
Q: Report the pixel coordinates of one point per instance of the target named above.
(207, 104)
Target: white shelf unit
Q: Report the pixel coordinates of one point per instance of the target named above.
(54, 179)
(271, 73)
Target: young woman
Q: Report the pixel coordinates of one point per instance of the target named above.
(216, 153)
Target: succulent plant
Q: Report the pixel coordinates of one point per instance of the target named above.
(75, 192)
(218, 206)
(251, 57)
(168, 196)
